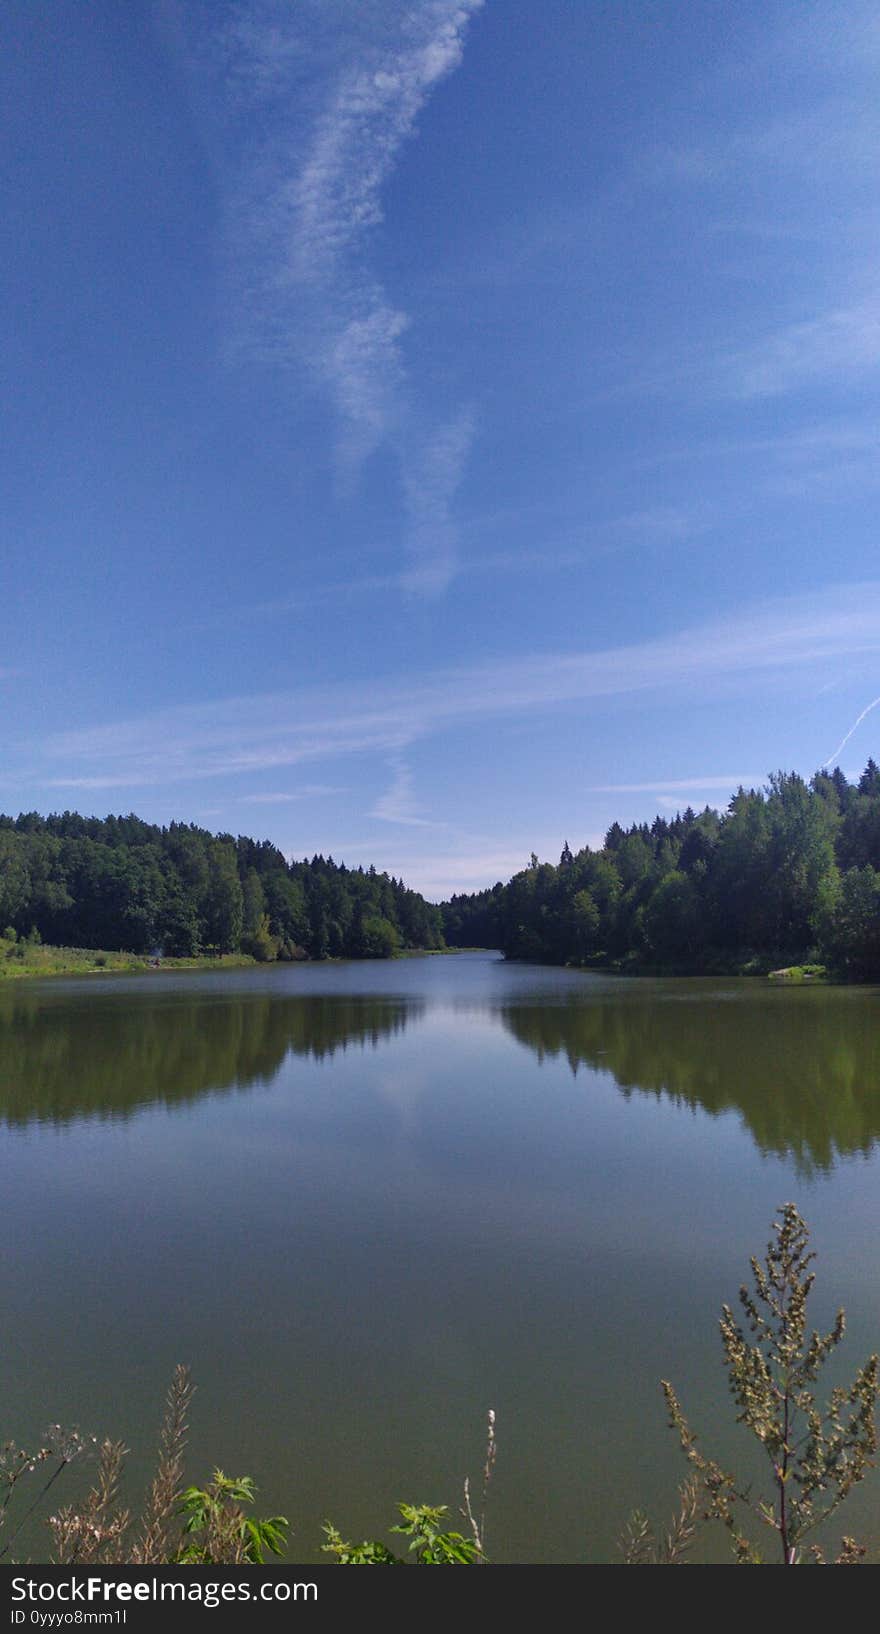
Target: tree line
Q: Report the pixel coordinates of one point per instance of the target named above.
(119, 882)
(788, 873)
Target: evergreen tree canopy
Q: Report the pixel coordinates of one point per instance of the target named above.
(786, 873)
(118, 882)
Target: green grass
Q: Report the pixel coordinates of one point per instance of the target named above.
(24, 958)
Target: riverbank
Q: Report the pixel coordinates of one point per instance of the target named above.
(23, 958)
(632, 964)
(748, 965)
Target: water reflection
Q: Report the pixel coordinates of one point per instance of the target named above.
(802, 1068)
(107, 1055)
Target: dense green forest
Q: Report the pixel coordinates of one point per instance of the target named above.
(787, 873)
(118, 882)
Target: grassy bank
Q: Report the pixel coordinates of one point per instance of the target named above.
(25, 958)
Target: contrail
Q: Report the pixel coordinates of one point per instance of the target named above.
(842, 745)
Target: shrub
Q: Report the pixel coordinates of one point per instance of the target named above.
(816, 1457)
(195, 1525)
(422, 1525)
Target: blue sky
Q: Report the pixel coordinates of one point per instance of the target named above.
(435, 429)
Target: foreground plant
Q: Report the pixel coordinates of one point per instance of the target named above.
(60, 1448)
(816, 1457)
(422, 1524)
(640, 1544)
(186, 1526)
(216, 1529)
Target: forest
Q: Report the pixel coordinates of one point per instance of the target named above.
(789, 873)
(119, 882)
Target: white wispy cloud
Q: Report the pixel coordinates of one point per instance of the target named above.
(660, 524)
(830, 457)
(310, 791)
(785, 175)
(431, 480)
(470, 870)
(144, 777)
(838, 345)
(696, 785)
(398, 804)
(369, 115)
(241, 737)
(797, 447)
(458, 863)
(407, 581)
(309, 198)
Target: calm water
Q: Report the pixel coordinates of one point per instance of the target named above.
(366, 1202)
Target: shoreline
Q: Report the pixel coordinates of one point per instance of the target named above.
(101, 962)
(42, 962)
